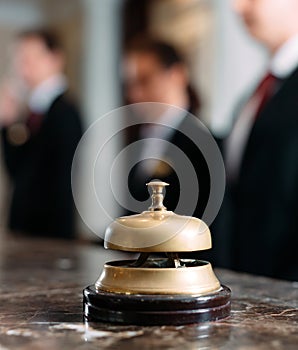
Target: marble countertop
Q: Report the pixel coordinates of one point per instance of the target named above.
(41, 285)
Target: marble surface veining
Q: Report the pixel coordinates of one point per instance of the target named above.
(41, 285)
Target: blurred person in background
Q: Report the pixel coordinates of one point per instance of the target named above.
(154, 71)
(257, 229)
(39, 138)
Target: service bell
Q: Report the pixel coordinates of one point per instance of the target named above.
(162, 288)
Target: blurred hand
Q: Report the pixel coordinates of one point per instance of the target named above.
(10, 104)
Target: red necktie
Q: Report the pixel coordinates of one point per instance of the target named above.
(34, 122)
(264, 92)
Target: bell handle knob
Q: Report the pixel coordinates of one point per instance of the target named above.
(158, 189)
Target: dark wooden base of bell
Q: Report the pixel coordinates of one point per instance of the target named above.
(136, 309)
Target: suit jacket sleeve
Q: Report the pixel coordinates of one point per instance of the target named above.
(67, 132)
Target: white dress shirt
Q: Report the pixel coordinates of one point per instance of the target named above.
(282, 64)
(154, 137)
(46, 92)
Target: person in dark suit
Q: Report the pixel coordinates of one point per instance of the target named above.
(154, 71)
(38, 146)
(257, 228)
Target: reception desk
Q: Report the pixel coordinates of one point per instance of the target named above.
(41, 283)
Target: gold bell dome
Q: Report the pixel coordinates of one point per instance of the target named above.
(158, 230)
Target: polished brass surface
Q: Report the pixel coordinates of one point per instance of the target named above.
(157, 188)
(158, 231)
(194, 277)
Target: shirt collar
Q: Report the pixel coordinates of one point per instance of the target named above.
(167, 123)
(285, 60)
(46, 92)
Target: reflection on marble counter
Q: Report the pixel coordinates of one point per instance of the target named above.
(41, 285)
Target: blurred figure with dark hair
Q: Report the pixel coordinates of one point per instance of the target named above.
(39, 138)
(155, 71)
(258, 222)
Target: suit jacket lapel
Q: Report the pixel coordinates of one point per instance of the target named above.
(271, 118)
